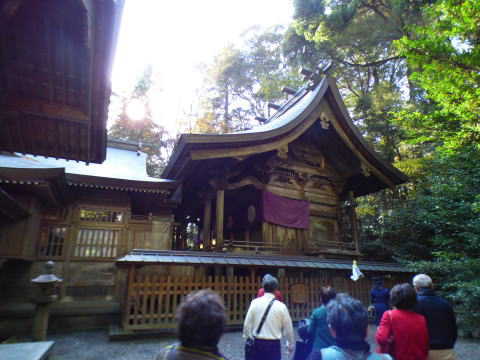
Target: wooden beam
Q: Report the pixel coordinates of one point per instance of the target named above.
(249, 180)
(355, 229)
(219, 217)
(257, 149)
(207, 222)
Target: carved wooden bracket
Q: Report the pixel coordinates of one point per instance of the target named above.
(282, 152)
(365, 170)
(324, 121)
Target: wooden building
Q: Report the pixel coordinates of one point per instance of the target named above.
(83, 217)
(280, 199)
(55, 64)
(277, 199)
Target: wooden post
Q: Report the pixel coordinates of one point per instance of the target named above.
(355, 229)
(354, 220)
(207, 222)
(219, 217)
(128, 296)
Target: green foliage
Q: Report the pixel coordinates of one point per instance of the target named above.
(434, 226)
(438, 229)
(446, 53)
(357, 37)
(242, 80)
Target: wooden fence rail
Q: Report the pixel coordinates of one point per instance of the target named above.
(152, 300)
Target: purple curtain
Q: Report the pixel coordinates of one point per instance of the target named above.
(286, 212)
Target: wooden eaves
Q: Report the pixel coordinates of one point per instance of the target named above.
(292, 120)
(56, 60)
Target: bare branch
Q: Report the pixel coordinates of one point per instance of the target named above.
(373, 63)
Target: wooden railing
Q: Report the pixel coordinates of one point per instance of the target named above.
(330, 245)
(140, 218)
(152, 299)
(254, 245)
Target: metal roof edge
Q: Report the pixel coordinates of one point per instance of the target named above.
(198, 257)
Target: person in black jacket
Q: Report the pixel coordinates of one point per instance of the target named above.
(441, 322)
(380, 299)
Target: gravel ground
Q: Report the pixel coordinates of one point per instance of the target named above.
(93, 345)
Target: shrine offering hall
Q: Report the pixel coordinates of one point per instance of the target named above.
(279, 198)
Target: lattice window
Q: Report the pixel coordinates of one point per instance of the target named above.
(98, 243)
(102, 216)
(52, 241)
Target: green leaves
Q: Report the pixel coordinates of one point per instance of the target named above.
(446, 53)
(242, 79)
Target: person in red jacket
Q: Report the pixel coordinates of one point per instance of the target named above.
(402, 332)
(261, 291)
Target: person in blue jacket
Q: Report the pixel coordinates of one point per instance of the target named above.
(380, 299)
(318, 329)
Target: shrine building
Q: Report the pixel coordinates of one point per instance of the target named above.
(279, 199)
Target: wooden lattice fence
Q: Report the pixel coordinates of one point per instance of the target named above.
(152, 299)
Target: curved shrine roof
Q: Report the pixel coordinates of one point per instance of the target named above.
(290, 117)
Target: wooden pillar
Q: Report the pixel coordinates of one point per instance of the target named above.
(69, 248)
(252, 273)
(219, 218)
(162, 232)
(207, 222)
(127, 299)
(354, 220)
(356, 234)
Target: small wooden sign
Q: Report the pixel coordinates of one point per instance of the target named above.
(298, 294)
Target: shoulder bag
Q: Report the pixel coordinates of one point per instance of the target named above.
(303, 347)
(250, 343)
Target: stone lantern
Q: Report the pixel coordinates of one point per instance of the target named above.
(46, 293)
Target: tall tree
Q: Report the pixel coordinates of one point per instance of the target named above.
(152, 138)
(440, 221)
(357, 37)
(242, 80)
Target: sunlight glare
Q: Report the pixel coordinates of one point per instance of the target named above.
(136, 110)
(175, 37)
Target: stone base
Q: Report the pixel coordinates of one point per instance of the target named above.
(27, 351)
(17, 319)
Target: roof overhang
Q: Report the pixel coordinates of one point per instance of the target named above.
(57, 60)
(86, 181)
(54, 185)
(10, 209)
(288, 124)
(172, 257)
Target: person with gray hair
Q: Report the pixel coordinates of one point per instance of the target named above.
(261, 291)
(441, 322)
(347, 320)
(266, 322)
